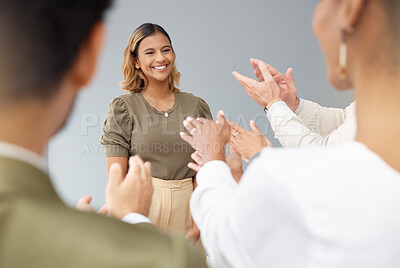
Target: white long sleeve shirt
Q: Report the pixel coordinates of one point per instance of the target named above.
(313, 125)
(336, 206)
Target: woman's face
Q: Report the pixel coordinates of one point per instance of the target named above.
(155, 57)
(327, 29)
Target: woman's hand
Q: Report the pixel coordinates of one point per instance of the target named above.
(208, 138)
(233, 160)
(247, 143)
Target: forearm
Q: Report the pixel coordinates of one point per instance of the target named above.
(321, 120)
(209, 204)
(292, 132)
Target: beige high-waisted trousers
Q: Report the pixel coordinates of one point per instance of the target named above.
(169, 209)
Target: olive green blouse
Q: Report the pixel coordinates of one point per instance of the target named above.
(134, 127)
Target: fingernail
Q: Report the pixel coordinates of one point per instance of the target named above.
(251, 121)
(185, 123)
(182, 133)
(221, 112)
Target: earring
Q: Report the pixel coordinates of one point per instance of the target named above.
(341, 69)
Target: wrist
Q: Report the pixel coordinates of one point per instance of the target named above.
(268, 106)
(294, 106)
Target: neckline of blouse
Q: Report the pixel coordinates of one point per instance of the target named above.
(176, 102)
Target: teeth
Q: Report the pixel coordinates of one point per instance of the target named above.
(160, 67)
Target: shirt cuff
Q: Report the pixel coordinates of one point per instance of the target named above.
(273, 107)
(135, 218)
(300, 107)
(208, 171)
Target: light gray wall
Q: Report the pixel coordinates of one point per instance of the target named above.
(211, 38)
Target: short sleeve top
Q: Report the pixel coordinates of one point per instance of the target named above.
(134, 127)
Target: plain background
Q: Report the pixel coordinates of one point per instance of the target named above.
(211, 39)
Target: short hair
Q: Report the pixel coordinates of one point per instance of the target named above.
(40, 41)
(134, 79)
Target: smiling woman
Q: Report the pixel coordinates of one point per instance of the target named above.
(146, 122)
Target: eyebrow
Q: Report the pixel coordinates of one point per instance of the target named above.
(150, 49)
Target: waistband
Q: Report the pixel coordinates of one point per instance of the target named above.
(170, 184)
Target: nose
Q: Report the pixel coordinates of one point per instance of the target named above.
(160, 57)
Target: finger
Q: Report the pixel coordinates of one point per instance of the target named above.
(197, 158)
(257, 72)
(289, 76)
(255, 128)
(258, 76)
(269, 143)
(194, 122)
(234, 127)
(140, 164)
(234, 153)
(244, 81)
(147, 167)
(265, 71)
(134, 168)
(115, 176)
(221, 117)
(149, 178)
(194, 166)
(103, 210)
(187, 138)
(85, 200)
(188, 125)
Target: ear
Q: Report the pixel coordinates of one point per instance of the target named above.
(137, 64)
(351, 12)
(85, 64)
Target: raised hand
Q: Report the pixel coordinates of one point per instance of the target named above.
(285, 82)
(263, 91)
(208, 138)
(247, 143)
(131, 193)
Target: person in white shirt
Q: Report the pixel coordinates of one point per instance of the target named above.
(335, 206)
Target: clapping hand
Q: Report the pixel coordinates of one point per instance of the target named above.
(131, 192)
(246, 142)
(285, 82)
(233, 160)
(208, 138)
(271, 85)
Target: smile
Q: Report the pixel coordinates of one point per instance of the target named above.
(162, 67)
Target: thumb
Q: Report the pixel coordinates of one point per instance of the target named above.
(233, 153)
(255, 129)
(115, 176)
(85, 200)
(103, 210)
(221, 117)
(289, 76)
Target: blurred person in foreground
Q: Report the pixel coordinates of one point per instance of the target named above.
(335, 206)
(49, 51)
